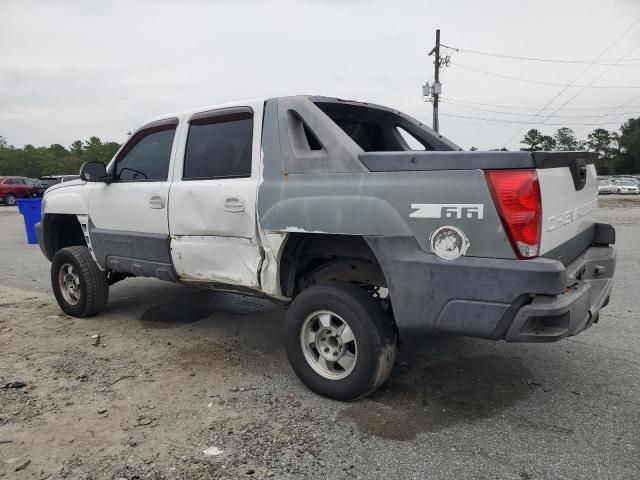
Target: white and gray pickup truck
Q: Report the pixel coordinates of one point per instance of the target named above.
(366, 223)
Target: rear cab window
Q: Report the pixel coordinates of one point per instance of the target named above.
(219, 145)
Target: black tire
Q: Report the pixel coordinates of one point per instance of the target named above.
(93, 285)
(619, 192)
(372, 329)
(9, 200)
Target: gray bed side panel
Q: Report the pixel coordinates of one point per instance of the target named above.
(373, 203)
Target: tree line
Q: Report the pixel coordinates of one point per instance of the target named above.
(34, 162)
(618, 151)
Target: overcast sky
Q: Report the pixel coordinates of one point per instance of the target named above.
(72, 69)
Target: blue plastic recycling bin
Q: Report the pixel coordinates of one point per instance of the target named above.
(30, 210)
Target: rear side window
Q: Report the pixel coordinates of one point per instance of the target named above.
(378, 129)
(367, 135)
(412, 142)
(147, 155)
(219, 146)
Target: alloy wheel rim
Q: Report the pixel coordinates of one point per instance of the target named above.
(69, 282)
(329, 345)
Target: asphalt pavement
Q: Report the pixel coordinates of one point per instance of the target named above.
(453, 408)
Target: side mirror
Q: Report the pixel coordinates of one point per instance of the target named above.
(94, 172)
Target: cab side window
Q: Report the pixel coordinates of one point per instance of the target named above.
(147, 155)
(219, 145)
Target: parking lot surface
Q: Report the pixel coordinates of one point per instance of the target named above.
(177, 371)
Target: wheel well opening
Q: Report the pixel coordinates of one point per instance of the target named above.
(62, 231)
(308, 259)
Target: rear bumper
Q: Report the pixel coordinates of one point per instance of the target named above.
(539, 300)
(546, 318)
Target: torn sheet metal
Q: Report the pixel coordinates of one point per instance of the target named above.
(229, 260)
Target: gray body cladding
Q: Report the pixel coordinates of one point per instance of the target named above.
(342, 197)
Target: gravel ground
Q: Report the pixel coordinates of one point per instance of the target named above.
(178, 370)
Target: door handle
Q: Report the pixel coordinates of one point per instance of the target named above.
(234, 204)
(156, 201)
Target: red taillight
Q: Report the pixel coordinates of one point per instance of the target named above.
(516, 194)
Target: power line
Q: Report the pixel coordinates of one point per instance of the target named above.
(540, 82)
(582, 72)
(624, 104)
(589, 85)
(534, 115)
(537, 59)
(518, 107)
(526, 122)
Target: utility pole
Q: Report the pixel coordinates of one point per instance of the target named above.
(437, 88)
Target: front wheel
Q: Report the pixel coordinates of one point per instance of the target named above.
(10, 200)
(79, 286)
(619, 191)
(339, 340)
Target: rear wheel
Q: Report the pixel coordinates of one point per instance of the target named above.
(10, 200)
(619, 191)
(339, 340)
(79, 286)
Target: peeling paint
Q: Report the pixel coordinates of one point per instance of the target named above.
(301, 230)
(272, 244)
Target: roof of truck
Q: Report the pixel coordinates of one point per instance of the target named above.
(251, 102)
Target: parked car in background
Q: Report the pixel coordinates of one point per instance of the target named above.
(626, 187)
(12, 188)
(605, 187)
(44, 183)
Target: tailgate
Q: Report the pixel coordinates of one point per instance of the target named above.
(569, 193)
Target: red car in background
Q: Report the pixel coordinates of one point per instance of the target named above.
(12, 188)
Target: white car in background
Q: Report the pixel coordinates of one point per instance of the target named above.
(605, 187)
(626, 187)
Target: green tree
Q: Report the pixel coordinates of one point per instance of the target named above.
(33, 161)
(94, 149)
(533, 139)
(603, 142)
(628, 156)
(76, 148)
(547, 143)
(565, 140)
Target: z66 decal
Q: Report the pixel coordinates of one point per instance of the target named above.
(447, 210)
